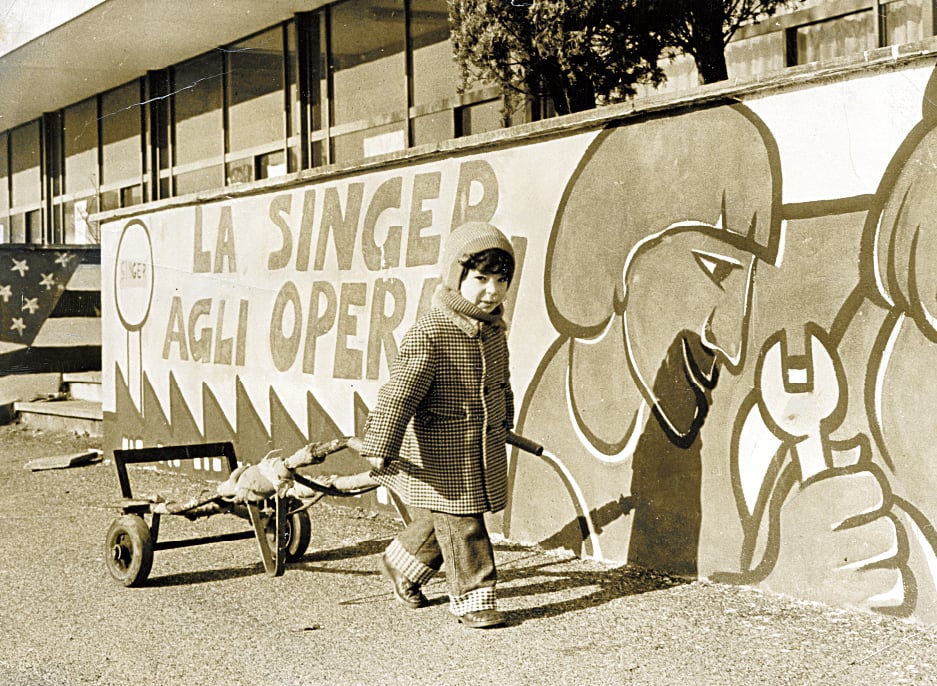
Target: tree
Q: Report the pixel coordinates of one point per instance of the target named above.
(593, 51)
(703, 28)
(577, 52)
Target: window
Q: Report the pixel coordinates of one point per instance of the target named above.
(25, 184)
(198, 124)
(368, 77)
(122, 165)
(159, 84)
(897, 22)
(314, 76)
(758, 54)
(257, 114)
(435, 75)
(80, 148)
(379, 76)
(826, 40)
(901, 21)
(478, 118)
(54, 172)
(376, 140)
(294, 126)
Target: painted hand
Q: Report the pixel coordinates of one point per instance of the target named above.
(839, 542)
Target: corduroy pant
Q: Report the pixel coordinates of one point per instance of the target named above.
(461, 542)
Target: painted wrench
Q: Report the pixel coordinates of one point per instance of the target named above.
(798, 392)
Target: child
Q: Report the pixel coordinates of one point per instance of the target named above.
(437, 434)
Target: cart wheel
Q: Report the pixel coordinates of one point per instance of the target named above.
(128, 550)
(299, 528)
(296, 535)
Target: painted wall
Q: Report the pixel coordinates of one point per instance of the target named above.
(724, 329)
(50, 309)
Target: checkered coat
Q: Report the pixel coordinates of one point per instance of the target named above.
(441, 421)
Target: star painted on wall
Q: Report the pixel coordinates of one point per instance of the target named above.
(31, 304)
(29, 298)
(48, 280)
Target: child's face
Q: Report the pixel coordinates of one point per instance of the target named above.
(486, 291)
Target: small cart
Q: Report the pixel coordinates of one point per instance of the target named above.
(272, 495)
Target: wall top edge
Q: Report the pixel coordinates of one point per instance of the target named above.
(793, 78)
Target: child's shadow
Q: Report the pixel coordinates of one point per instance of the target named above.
(562, 577)
(312, 560)
(527, 573)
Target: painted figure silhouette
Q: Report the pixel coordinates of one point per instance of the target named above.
(649, 279)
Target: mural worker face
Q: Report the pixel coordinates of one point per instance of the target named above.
(686, 311)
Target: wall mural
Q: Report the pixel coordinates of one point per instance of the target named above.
(724, 321)
(843, 509)
(652, 300)
(50, 308)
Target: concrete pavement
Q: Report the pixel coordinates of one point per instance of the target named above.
(210, 615)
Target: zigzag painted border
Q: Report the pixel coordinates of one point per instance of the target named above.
(252, 440)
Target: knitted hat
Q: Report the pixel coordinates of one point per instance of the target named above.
(463, 242)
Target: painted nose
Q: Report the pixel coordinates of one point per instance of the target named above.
(726, 328)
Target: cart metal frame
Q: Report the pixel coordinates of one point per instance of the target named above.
(279, 515)
(281, 525)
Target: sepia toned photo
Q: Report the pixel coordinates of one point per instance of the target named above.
(468, 341)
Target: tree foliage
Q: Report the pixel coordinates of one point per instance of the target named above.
(703, 28)
(577, 52)
(586, 52)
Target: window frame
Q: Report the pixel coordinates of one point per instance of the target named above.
(259, 153)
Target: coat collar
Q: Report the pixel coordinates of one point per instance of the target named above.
(443, 299)
(471, 327)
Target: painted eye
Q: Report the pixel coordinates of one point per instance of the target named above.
(716, 267)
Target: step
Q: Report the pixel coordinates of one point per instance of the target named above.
(83, 385)
(80, 416)
(82, 377)
(14, 387)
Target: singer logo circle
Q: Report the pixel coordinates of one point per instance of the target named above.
(133, 275)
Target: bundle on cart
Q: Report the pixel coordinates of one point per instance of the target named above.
(272, 494)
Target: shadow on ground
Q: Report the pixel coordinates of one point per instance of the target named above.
(566, 584)
(529, 574)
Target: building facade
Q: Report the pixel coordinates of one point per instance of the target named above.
(124, 106)
(722, 322)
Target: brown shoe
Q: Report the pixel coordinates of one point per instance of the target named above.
(482, 619)
(406, 591)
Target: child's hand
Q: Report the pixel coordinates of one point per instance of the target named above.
(375, 461)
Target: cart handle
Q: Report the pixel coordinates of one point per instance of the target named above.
(327, 489)
(525, 444)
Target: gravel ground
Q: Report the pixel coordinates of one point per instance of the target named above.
(209, 614)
